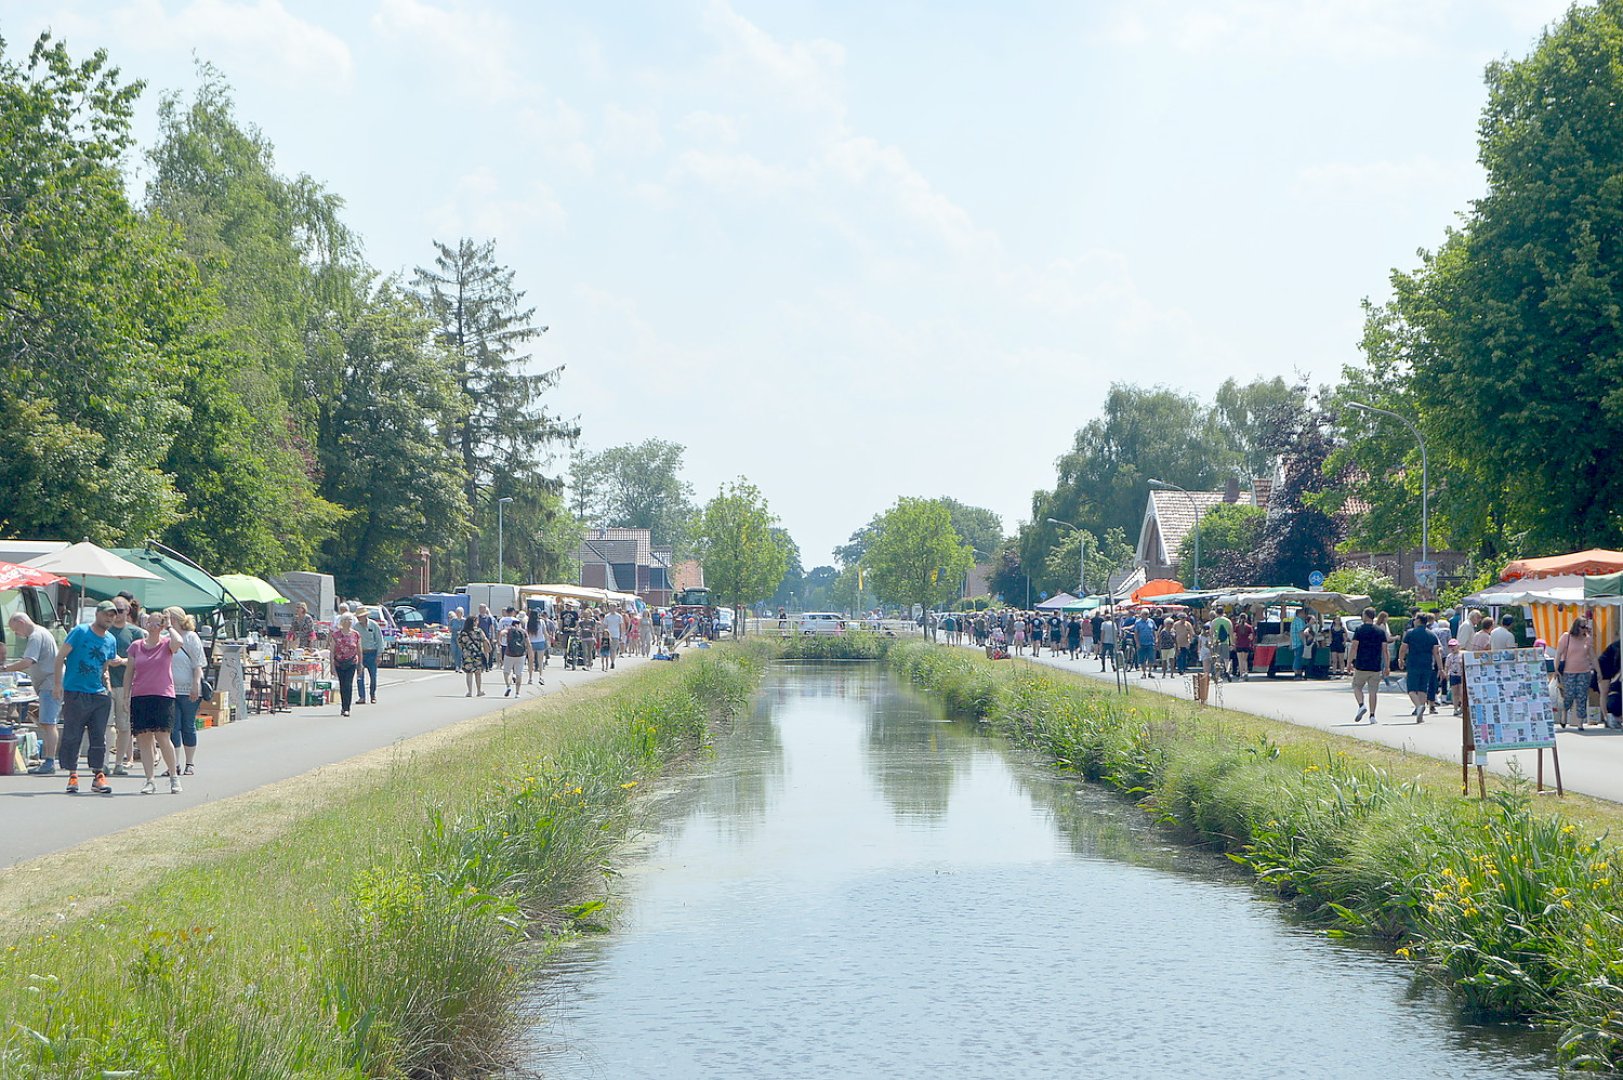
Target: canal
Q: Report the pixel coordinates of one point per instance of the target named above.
(856, 886)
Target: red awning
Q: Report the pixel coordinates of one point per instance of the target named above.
(1593, 561)
(15, 576)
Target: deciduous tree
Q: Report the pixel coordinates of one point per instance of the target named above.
(740, 546)
(916, 557)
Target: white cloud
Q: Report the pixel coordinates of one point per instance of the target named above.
(466, 45)
(709, 127)
(736, 173)
(477, 206)
(631, 133)
(1344, 28)
(1385, 179)
(244, 34)
(559, 131)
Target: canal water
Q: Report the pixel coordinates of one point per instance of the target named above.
(856, 886)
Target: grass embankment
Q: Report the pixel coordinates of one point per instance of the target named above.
(1517, 907)
(382, 933)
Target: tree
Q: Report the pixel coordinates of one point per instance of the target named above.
(1008, 578)
(1143, 434)
(1230, 536)
(1384, 593)
(502, 433)
(818, 589)
(1241, 415)
(1103, 559)
(98, 311)
(916, 557)
(636, 487)
(740, 546)
(273, 255)
(1300, 534)
(976, 526)
(1505, 345)
(790, 592)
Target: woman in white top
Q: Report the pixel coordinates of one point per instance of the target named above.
(187, 662)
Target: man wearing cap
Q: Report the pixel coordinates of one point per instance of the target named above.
(81, 683)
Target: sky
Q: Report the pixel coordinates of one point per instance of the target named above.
(854, 251)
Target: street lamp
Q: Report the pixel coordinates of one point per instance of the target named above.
(1162, 485)
(1081, 557)
(501, 562)
(1425, 509)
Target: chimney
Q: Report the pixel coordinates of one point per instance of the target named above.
(1231, 490)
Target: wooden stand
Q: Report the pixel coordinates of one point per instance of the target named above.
(1468, 754)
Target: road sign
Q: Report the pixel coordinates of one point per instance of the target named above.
(1042, 596)
(1315, 580)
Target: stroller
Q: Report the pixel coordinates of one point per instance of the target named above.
(575, 657)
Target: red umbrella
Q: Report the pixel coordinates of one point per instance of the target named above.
(15, 576)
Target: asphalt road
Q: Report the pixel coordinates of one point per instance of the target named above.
(1591, 760)
(261, 749)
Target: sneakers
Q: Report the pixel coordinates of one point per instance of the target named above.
(1361, 713)
(73, 783)
(48, 766)
(374, 701)
(149, 788)
(174, 785)
(121, 769)
(100, 785)
(508, 692)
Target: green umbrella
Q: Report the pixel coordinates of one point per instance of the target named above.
(249, 589)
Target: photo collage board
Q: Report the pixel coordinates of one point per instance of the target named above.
(1510, 699)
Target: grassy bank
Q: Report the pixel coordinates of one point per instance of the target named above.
(1517, 909)
(382, 933)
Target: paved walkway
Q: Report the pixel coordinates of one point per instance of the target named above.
(262, 749)
(1591, 760)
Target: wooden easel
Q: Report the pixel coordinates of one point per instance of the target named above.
(1468, 753)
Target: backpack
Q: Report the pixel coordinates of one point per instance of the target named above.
(1222, 632)
(517, 643)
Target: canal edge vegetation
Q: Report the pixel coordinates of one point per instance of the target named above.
(386, 933)
(1516, 908)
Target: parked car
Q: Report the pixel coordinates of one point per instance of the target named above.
(822, 622)
(724, 620)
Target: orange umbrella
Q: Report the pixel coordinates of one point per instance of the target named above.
(1158, 587)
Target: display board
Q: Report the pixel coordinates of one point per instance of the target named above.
(1509, 698)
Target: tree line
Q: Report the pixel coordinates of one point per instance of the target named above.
(215, 365)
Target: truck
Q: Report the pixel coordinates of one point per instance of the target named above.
(500, 597)
(688, 605)
(314, 590)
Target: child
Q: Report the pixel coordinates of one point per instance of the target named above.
(1454, 668)
(605, 649)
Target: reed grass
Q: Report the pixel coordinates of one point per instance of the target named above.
(383, 933)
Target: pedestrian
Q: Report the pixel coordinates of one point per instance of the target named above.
(1439, 628)
(454, 627)
(1019, 636)
(1245, 644)
(1166, 644)
(1502, 637)
(187, 664)
(1338, 646)
(125, 630)
(371, 648)
(81, 683)
(1454, 666)
(487, 627)
(1370, 663)
(614, 624)
(1107, 640)
(1222, 642)
(1299, 644)
(1144, 634)
(515, 650)
(473, 644)
(1183, 639)
(303, 629)
(1073, 636)
(1575, 665)
(38, 662)
(151, 680)
(346, 658)
(1419, 654)
(536, 627)
(1482, 636)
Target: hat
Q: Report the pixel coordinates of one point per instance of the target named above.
(1453, 641)
(106, 605)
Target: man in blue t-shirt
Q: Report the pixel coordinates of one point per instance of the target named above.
(81, 683)
(1144, 632)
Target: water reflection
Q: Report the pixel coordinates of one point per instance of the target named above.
(871, 891)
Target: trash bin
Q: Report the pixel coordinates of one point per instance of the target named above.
(8, 755)
(1202, 681)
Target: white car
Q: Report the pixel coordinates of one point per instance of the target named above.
(724, 620)
(822, 622)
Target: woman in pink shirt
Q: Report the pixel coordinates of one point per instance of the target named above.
(152, 698)
(1575, 660)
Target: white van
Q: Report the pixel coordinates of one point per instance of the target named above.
(500, 597)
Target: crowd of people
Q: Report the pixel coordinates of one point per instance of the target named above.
(521, 644)
(1428, 650)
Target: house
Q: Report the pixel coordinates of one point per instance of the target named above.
(626, 560)
(1169, 516)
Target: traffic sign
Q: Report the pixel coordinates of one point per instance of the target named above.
(1315, 580)
(1042, 596)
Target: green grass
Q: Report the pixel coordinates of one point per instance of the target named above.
(381, 932)
(1514, 904)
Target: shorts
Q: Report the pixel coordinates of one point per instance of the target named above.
(1366, 680)
(49, 711)
(1417, 680)
(1169, 656)
(513, 666)
(150, 713)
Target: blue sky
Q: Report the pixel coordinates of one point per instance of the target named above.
(853, 250)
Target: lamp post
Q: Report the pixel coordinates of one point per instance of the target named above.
(1081, 557)
(1162, 485)
(1425, 485)
(501, 562)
